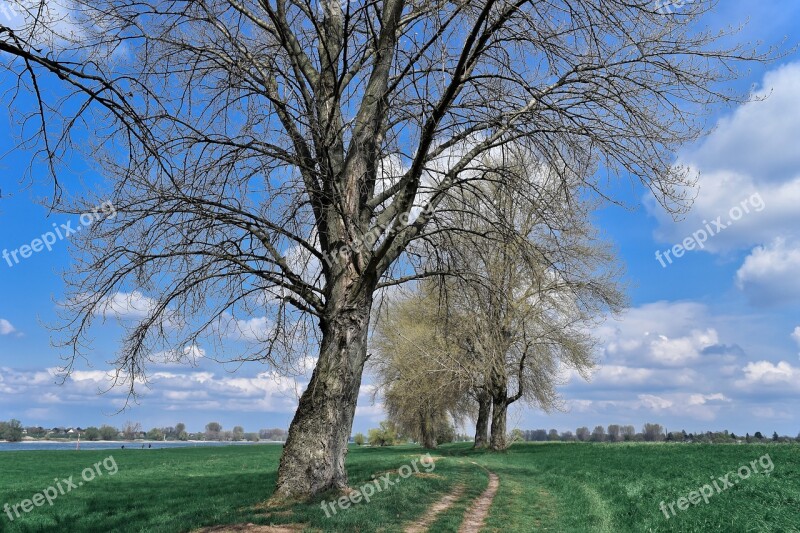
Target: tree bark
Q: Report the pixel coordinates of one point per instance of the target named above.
(313, 459)
(500, 402)
(482, 424)
(499, 416)
(428, 432)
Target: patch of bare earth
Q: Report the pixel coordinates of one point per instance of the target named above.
(252, 528)
(435, 510)
(479, 510)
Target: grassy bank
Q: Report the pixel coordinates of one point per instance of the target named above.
(548, 487)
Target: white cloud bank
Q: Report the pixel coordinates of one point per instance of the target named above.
(752, 151)
(678, 361)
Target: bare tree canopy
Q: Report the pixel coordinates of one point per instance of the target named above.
(275, 154)
(527, 279)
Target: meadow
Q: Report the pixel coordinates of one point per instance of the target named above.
(542, 487)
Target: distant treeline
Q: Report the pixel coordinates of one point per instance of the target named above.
(14, 431)
(649, 433)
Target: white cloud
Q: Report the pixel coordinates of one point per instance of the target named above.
(168, 390)
(760, 137)
(682, 350)
(191, 355)
(654, 403)
(666, 334)
(662, 361)
(796, 335)
(127, 305)
(769, 274)
(255, 329)
(682, 405)
(764, 374)
(375, 413)
(5, 327)
(751, 155)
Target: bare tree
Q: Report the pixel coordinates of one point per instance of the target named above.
(653, 432)
(213, 431)
(529, 277)
(628, 432)
(268, 155)
(131, 430)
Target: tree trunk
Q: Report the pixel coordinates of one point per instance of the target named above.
(428, 432)
(313, 459)
(482, 424)
(499, 412)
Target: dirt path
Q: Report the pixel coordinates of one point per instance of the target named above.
(252, 528)
(479, 510)
(422, 525)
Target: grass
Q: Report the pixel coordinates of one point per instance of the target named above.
(543, 487)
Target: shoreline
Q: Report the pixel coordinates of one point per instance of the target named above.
(120, 442)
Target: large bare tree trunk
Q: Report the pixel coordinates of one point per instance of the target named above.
(482, 424)
(499, 416)
(500, 402)
(313, 459)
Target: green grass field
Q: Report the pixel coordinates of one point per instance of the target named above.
(543, 487)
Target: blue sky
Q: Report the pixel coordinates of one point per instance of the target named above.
(710, 341)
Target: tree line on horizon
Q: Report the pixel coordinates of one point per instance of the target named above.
(650, 433)
(14, 431)
(390, 433)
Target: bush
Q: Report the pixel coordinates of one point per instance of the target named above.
(386, 435)
(11, 430)
(108, 432)
(359, 439)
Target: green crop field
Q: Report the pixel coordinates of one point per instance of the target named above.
(543, 487)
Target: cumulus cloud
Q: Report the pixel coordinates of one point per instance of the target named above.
(663, 334)
(796, 335)
(686, 405)
(765, 375)
(663, 361)
(769, 274)
(750, 166)
(5, 327)
(126, 305)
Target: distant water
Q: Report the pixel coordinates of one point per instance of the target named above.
(50, 445)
